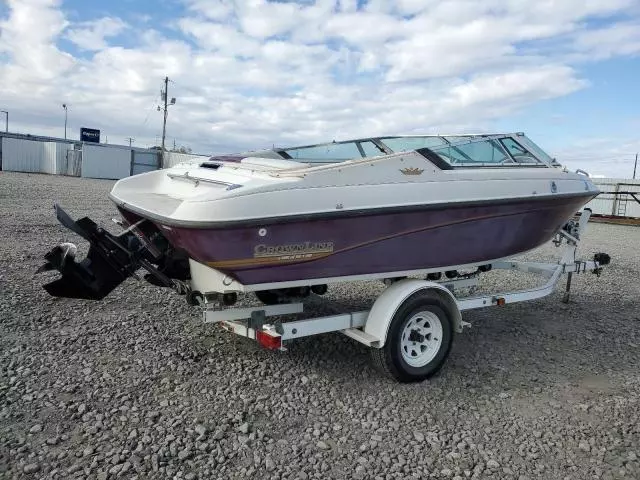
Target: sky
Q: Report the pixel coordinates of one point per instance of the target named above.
(257, 73)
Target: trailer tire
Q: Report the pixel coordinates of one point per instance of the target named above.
(419, 339)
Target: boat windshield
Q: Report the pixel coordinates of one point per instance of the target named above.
(475, 150)
(403, 144)
(539, 152)
(457, 150)
(333, 152)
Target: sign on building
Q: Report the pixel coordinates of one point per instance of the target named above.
(89, 135)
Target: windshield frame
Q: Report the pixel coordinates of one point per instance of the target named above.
(385, 146)
(454, 141)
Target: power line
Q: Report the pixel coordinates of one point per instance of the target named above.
(592, 159)
(155, 102)
(185, 87)
(595, 154)
(164, 122)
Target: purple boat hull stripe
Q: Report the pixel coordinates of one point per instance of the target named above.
(367, 244)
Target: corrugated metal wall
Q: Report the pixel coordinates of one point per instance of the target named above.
(22, 155)
(74, 163)
(144, 161)
(616, 204)
(49, 158)
(55, 157)
(108, 162)
(62, 157)
(98, 160)
(33, 156)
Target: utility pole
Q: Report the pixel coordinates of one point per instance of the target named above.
(635, 166)
(165, 98)
(164, 122)
(131, 140)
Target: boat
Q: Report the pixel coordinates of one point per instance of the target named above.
(285, 222)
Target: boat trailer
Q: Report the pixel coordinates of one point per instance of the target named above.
(411, 325)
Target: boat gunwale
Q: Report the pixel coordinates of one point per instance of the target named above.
(336, 214)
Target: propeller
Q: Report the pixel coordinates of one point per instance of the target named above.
(57, 257)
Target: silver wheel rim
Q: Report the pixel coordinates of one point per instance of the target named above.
(421, 339)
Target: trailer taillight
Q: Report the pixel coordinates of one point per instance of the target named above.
(272, 342)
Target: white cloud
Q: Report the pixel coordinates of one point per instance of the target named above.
(219, 37)
(516, 87)
(261, 19)
(619, 39)
(93, 35)
(252, 73)
(212, 9)
(28, 37)
(364, 29)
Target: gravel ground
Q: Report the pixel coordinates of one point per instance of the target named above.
(136, 387)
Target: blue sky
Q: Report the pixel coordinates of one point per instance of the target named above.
(249, 74)
(606, 110)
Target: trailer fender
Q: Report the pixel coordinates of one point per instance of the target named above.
(386, 305)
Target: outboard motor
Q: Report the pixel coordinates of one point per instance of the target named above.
(110, 261)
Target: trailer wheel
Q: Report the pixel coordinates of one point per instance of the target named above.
(419, 339)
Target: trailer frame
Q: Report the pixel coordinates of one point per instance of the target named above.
(373, 327)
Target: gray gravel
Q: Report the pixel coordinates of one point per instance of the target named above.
(136, 387)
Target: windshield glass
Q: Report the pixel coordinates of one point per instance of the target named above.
(485, 151)
(518, 152)
(403, 144)
(535, 149)
(334, 152)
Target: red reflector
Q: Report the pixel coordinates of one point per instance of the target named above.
(269, 341)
